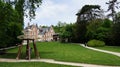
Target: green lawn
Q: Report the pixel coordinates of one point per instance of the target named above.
(70, 53)
(110, 48)
(30, 64)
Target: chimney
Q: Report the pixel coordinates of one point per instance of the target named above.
(28, 24)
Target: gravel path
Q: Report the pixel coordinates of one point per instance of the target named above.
(54, 62)
(105, 51)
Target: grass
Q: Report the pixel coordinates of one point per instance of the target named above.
(68, 52)
(30, 64)
(110, 48)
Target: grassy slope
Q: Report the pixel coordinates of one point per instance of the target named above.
(30, 64)
(70, 53)
(76, 53)
(111, 48)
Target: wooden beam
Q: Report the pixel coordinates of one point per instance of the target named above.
(19, 51)
(35, 50)
(28, 50)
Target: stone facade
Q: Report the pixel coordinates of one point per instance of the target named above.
(39, 33)
(46, 34)
(31, 31)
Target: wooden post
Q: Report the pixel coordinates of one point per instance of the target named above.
(35, 50)
(19, 51)
(28, 50)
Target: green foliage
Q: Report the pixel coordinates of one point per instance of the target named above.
(107, 23)
(56, 29)
(14, 30)
(95, 43)
(59, 26)
(12, 14)
(67, 33)
(80, 31)
(116, 34)
(99, 29)
(10, 28)
(92, 29)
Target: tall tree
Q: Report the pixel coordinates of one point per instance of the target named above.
(10, 28)
(116, 31)
(85, 15)
(111, 7)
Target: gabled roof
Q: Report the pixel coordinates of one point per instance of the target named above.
(42, 31)
(30, 27)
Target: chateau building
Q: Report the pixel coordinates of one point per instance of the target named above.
(39, 33)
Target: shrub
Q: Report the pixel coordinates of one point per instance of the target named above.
(95, 43)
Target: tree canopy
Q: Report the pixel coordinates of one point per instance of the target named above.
(12, 14)
(88, 12)
(25, 8)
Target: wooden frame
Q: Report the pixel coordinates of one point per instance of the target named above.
(28, 55)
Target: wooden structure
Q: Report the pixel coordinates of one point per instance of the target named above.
(28, 49)
(28, 38)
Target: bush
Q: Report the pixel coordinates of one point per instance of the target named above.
(95, 43)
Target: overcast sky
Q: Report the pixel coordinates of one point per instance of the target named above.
(52, 11)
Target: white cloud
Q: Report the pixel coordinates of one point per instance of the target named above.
(49, 12)
(52, 11)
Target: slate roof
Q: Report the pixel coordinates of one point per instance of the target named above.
(42, 31)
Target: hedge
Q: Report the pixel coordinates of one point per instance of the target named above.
(95, 43)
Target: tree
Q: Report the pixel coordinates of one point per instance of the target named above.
(10, 28)
(88, 13)
(59, 26)
(85, 15)
(67, 33)
(111, 7)
(116, 31)
(25, 8)
(92, 29)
